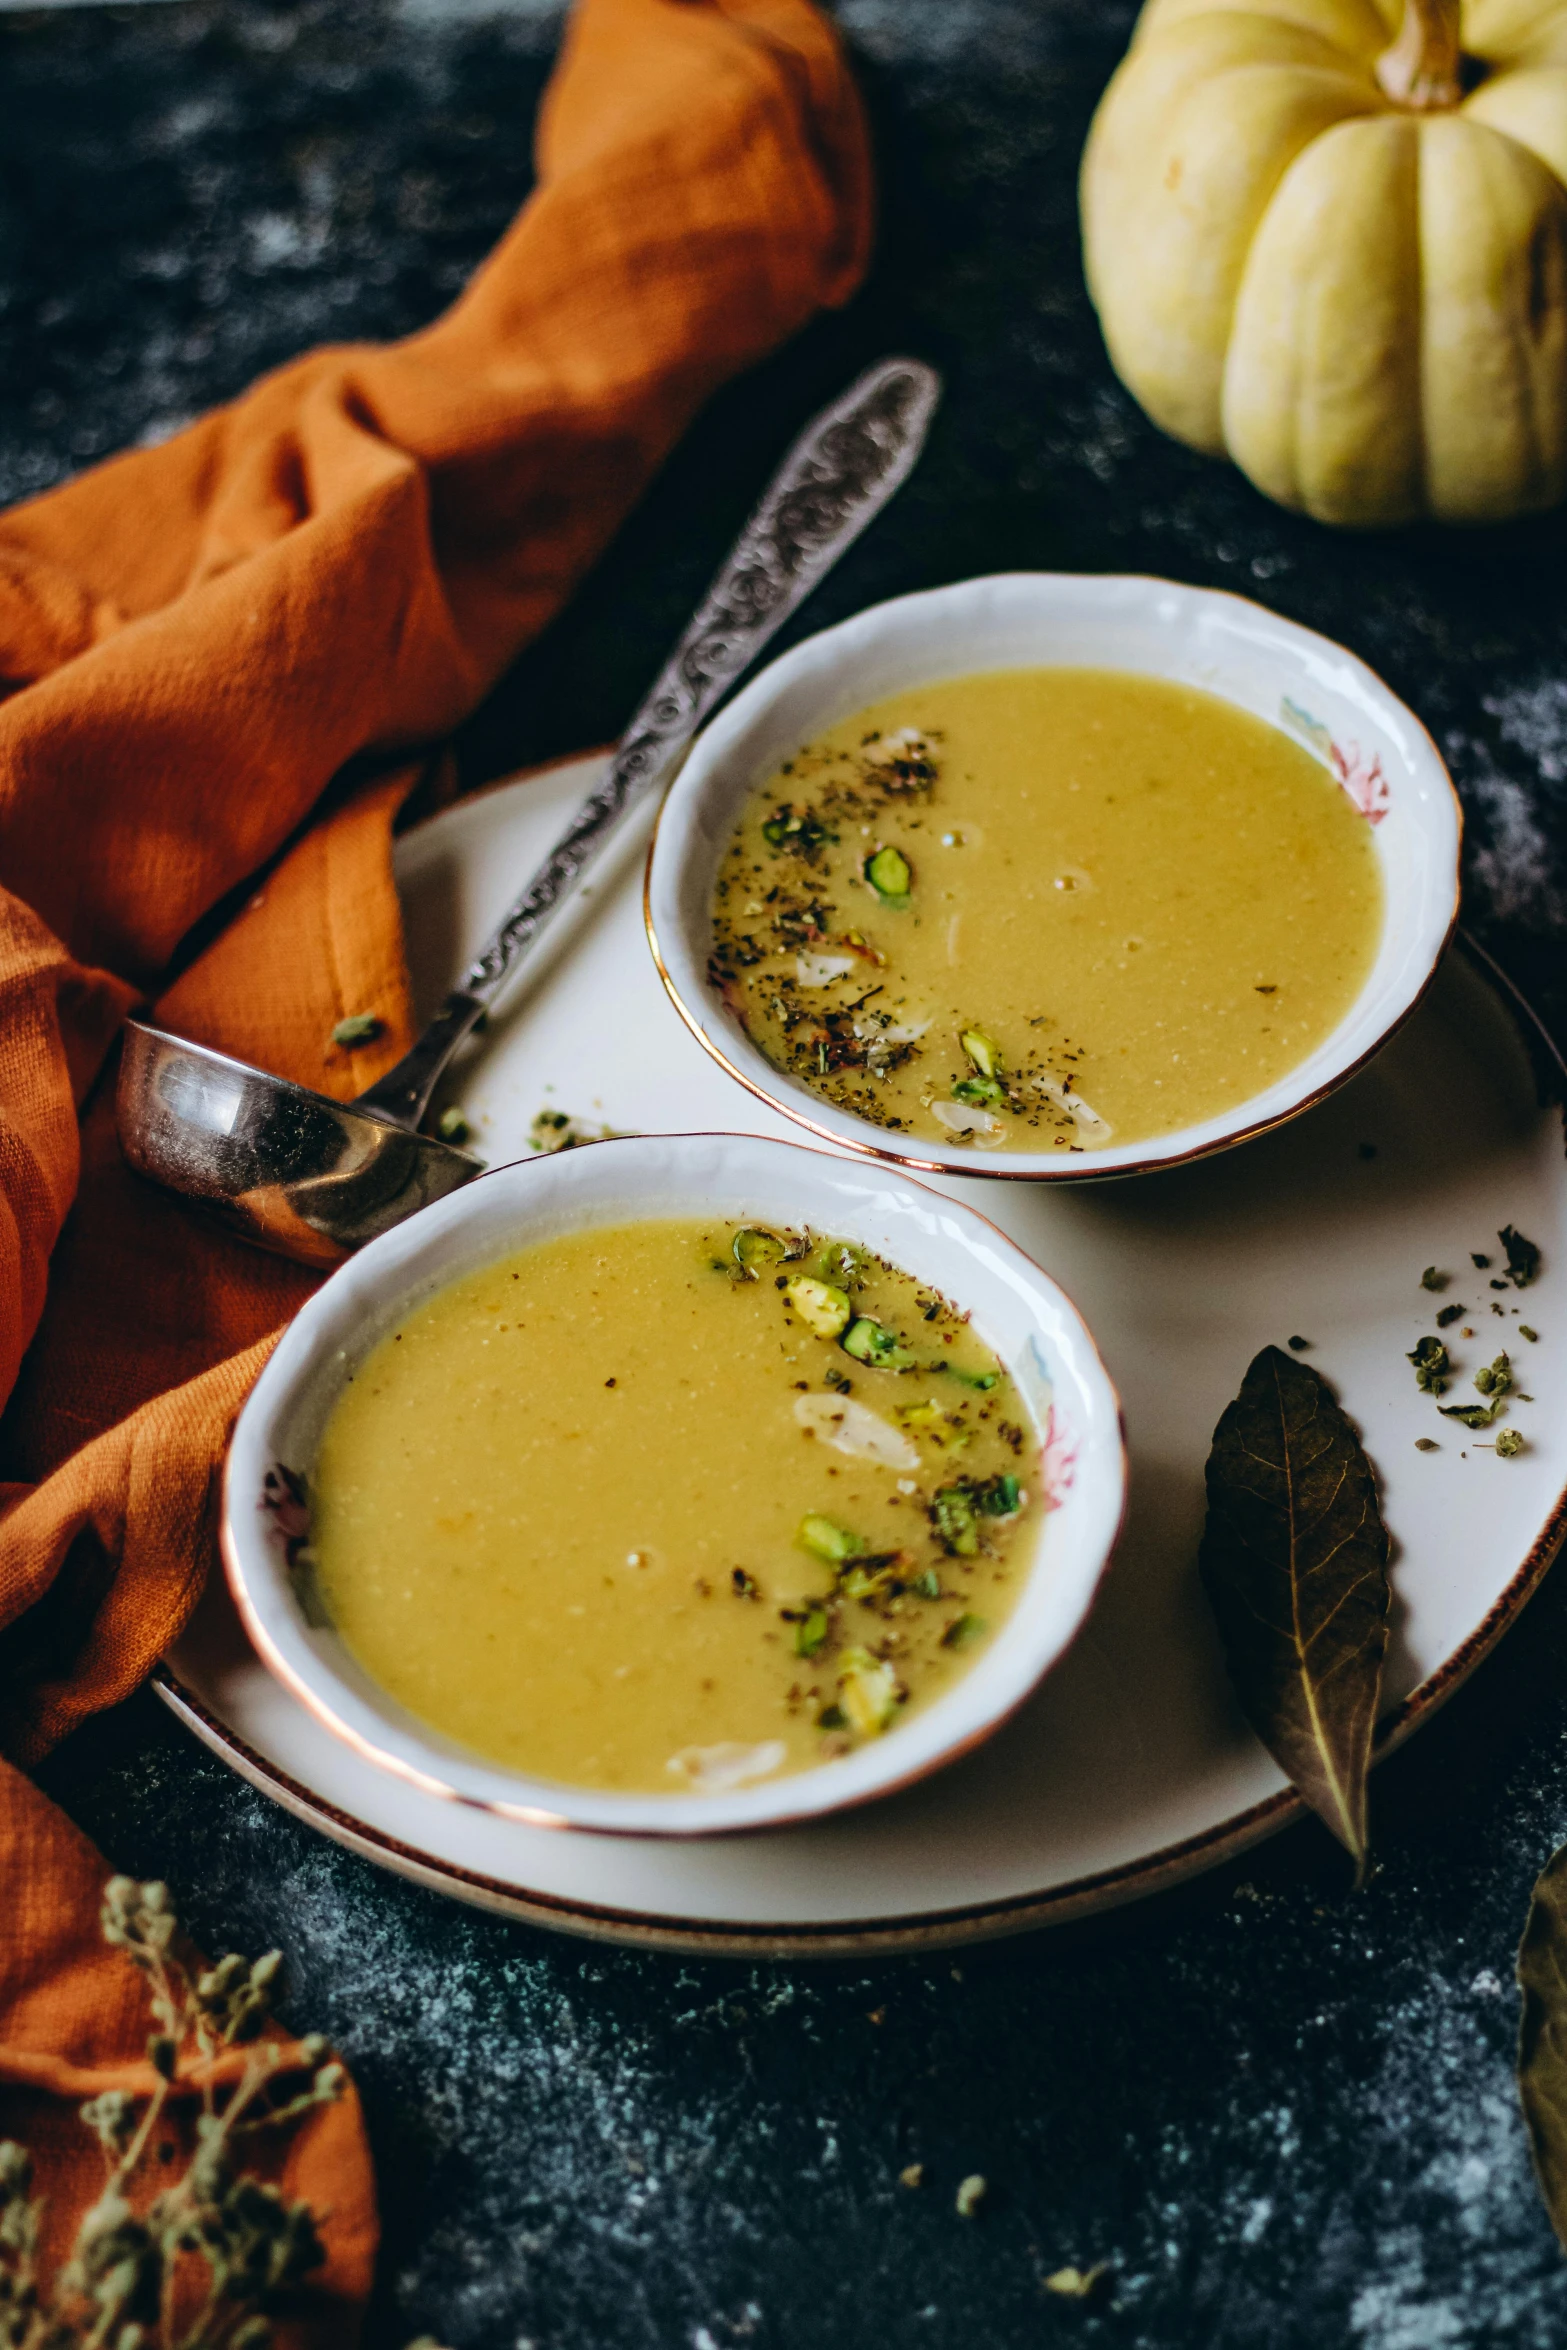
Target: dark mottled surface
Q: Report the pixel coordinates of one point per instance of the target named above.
(1285, 2117)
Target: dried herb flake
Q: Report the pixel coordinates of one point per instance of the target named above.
(1523, 1257)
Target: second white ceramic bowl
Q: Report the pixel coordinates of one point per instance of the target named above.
(1297, 681)
(1079, 1467)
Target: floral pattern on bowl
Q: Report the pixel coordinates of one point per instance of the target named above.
(1362, 778)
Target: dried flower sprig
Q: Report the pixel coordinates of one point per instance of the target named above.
(118, 2289)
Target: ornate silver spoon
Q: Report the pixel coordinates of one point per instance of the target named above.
(313, 1178)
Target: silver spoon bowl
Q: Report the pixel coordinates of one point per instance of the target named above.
(312, 1178)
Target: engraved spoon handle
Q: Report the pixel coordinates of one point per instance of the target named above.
(836, 478)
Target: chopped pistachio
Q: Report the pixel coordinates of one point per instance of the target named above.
(820, 1306)
(984, 1093)
(811, 1632)
(928, 1421)
(912, 2175)
(876, 1577)
(1509, 1444)
(953, 1511)
(797, 829)
(754, 1251)
(983, 1381)
(998, 1497)
(983, 1051)
(928, 1584)
(962, 1630)
(870, 1342)
(828, 1540)
(1432, 1279)
(971, 2194)
(868, 1691)
(452, 1126)
(359, 1028)
(1430, 1358)
(889, 875)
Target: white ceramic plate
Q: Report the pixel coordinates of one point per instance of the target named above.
(1296, 681)
(1131, 1768)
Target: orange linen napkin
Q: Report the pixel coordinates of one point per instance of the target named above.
(196, 638)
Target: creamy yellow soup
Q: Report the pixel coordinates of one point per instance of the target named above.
(1046, 909)
(672, 1506)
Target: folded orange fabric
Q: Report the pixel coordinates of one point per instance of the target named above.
(195, 639)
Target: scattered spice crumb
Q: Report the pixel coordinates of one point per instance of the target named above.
(912, 2175)
(359, 1028)
(1476, 1259)
(1533, 1336)
(553, 1130)
(1427, 1444)
(1076, 2284)
(971, 2194)
(1432, 1279)
(1448, 1315)
(877, 2015)
(1300, 1344)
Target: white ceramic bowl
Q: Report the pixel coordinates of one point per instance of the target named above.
(1297, 681)
(1033, 1328)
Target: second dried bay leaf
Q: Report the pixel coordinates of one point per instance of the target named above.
(1542, 2036)
(1294, 1562)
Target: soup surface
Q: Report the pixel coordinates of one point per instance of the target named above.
(1045, 909)
(667, 1506)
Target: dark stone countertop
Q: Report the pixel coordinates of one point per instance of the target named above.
(1283, 2115)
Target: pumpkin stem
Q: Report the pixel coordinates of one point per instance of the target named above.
(1421, 70)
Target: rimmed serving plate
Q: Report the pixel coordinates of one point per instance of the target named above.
(1297, 682)
(1131, 1769)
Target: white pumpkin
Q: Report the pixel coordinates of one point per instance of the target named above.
(1330, 237)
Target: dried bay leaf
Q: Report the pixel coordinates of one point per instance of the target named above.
(1542, 2036)
(1294, 1561)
